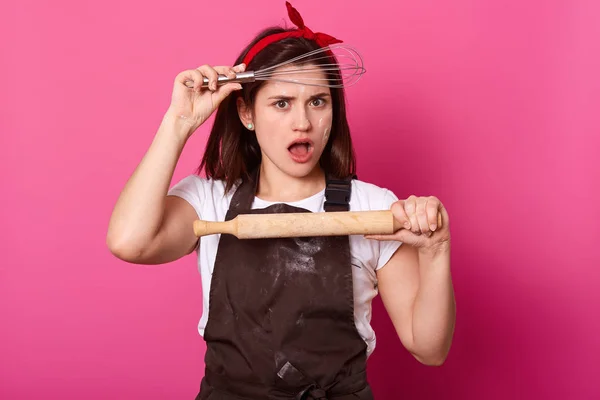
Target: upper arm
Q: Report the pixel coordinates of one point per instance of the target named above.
(175, 237)
(398, 283)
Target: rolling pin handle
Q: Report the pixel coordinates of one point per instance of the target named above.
(204, 228)
(200, 228)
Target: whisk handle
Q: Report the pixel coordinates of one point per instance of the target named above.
(242, 77)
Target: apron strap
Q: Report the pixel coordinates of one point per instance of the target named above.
(337, 193)
(244, 195)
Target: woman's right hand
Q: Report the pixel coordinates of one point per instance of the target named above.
(195, 105)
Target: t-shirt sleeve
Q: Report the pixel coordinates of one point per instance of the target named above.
(387, 248)
(192, 190)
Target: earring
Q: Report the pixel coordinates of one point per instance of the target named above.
(250, 126)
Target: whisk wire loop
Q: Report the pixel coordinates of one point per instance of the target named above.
(339, 74)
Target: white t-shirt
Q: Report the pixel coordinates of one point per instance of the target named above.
(208, 198)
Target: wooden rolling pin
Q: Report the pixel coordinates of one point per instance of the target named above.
(259, 226)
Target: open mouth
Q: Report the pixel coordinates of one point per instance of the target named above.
(301, 149)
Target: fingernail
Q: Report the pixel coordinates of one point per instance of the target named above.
(407, 225)
(433, 227)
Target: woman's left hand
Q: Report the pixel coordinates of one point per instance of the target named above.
(419, 217)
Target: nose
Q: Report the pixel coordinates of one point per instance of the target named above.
(301, 121)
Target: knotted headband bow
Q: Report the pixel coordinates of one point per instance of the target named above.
(322, 39)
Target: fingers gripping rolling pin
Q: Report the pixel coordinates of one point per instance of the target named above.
(260, 226)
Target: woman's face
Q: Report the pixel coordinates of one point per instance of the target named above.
(293, 122)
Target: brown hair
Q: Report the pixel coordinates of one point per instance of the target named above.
(232, 151)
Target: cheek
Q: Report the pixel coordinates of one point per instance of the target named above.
(267, 123)
(268, 129)
(326, 134)
(324, 126)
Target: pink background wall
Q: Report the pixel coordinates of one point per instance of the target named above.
(493, 106)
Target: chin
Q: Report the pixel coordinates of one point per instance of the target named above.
(298, 170)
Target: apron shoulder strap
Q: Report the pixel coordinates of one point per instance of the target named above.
(243, 196)
(337, 193)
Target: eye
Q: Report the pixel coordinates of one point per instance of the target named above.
(281, 104)
(318, 102)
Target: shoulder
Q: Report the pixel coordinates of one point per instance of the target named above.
(198, 184)
(204, 194)
(368, 196)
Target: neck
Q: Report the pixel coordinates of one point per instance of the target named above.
(276, 185)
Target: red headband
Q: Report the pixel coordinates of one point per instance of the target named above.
(322, 39)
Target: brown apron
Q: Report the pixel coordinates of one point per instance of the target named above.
(281, 313)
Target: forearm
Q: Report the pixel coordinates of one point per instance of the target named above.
(434, 308)
(139, 209)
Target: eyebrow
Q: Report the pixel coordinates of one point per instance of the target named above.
(314, 96)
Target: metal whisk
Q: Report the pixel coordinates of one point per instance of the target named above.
(346, 72)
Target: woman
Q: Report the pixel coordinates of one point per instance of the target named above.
(284, 318)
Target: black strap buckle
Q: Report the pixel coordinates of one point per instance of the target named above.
(337, 194)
